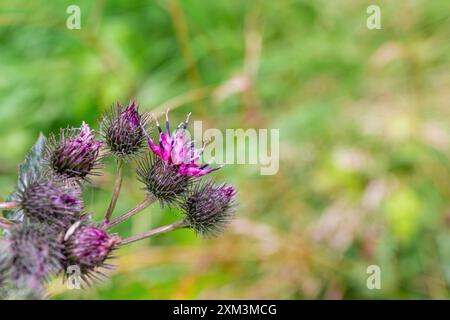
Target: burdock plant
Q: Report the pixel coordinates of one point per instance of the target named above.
(47, 230)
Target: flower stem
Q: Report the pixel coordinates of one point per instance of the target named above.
(170, 227)
(8, 205)
(144, 204)
(116, 191)
(5, 223)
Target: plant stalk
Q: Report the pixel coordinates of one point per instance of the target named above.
(144, 204)
(8, 205)
(170, 227)
(116, 191)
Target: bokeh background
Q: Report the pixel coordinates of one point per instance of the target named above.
(364, 133)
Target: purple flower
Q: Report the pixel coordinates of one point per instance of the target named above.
(75, 155)
(88, 247)
(51, 203)
(209, 207)
(123, 130)
(178, 151)
(131, 115)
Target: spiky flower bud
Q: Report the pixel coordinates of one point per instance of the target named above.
(178, 151)
(123, 130)
(162, 181)
(51, 203)
(209, 207)
(35, 252)
(75, 155)
(89, 247)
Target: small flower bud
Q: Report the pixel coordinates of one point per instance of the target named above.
(162, 181)
(123, 130)
(89, 247)
(209, 207)
(75, 155)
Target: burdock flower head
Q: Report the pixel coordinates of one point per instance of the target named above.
(35, 254)
(123, 130)
(209, 207)
(75, 155)
(178, 151)
(162, 181)
(171, 170)
(51, 203)
(89, 247)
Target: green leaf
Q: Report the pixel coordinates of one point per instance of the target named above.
(30, 169)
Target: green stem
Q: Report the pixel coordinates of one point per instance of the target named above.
(170, 227)
(144, 204)
(116, 191)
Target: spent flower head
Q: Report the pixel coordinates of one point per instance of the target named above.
(76, 154)
(123, 130)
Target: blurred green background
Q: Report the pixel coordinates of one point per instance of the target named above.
(364, 134)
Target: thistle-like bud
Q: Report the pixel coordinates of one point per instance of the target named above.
(162, 181)
(75, 155)
(89, 247)
(51, 203)
(123, 130)
(209, 207)
(177, 151)
(35, 252)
